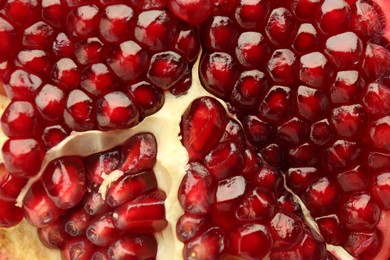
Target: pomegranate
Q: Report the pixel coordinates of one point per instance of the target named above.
(121, 139)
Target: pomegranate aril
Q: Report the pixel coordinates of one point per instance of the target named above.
(53, 135)
(66, 73)
(252, 49)
(38, 208)
(269, 178)
(277, 103)
(116, 22)
(101, 231)
(127, 60)
(145, 214)
(53, 235)
(23, 157)
(298, 179)
(287, 202)
(193, 12)
(379, 133)
(220, 34)
(224, 160)
(8, 39)
(116, 110)
(340, 155)
(21, 85)
(245, 241)
(367, 21)
(83, 21)
(207, 246)
(148, 97)
(129, 187)
(233, 133)
(258, 205)
(376, 100)
(145, 4)
(166, 69)
(130, 246)
(363, 244)
(202, 125)
(100, 254)
(307, 38)
(376, 62)
(348, 120)
(321, 132)
(256, 130)
(94, 204)
(10, 215)
(381, 189)
(78, 113)
(331, 229)
(347, 87)
(280, 26)
(38, 35)
(217, 71)
(53, 12)
(286, 229)
(187, 42)
(50, 102)
(78, 248)
(312, 103)
(333, 17)
(377, 160)
(360, 212)
(22, 12)
(77, 222)
(63, 45)
(65, 181)
(189, 226)
(155, 29)
(355, 179)
(292, 132)
(252, 163)
(36, 61)
(305, 9)
(315, 70)
(20, 120)
(273, 154)
(283, 66)
(89, 51)
(195, 194)
(10, 186)
(304, 154)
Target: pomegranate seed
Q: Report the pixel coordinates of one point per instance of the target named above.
(292, 132)
(148, 97)
(282, 66)
(77, 222)
(307, 38)
(129, 187)
(23, 157)
(89, 51)
(101, 231)
(99, 164)
(66, 73)
(208, 245)
(376, 61)
(360, 212)
(94, 204)
(78, 114)
(288, 203)
(96, 79)
(10, 215)
(53, 12)
(347, 87)
(244, 241)
(53, 235)
(194, 192)
(38, 208)
(145, 214)
(130, 246)
(300, 178)
(50, 101)
(321, 132)
(189, 226)
(38, 35)
(8, 38)
(252, 49)
(233, 133)
(10, 186)
(334, 17)
(379, 133)
(311, 103)
(65, 182)
(187, 42)
(376, 99)
(381, 188)
(331, 229)
(202, 126)
(22, 85)
(220, 33)
(83, 21)
(277, 103)
(286, 229)
(224, 160)
(315, 70)
(353, 180)
(36, 61)
(116, 22)
(100, 254)
(63, 45)
(268, 178)
(280, 26)
(305, 9)
(366, 20)
(340, 155)
(363, 244)
(53, 135)
(78, 248)
(257, 205)
(193, 11)
(256, 130)
(252, 163)
(22, 12)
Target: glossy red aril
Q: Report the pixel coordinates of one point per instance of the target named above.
(78, 113)
(280, 26)
(101, 231)
(334, 17)
(10, 214)
(94, 204)
(193, 11)
(208, 245)
(53, 235)
(78, 248)
(76, 223)
(21, 85)
(131, 246)
(10, 185)
(188, 226)
(116, 22)
(283, 66)
(99, 164)
(220, 33)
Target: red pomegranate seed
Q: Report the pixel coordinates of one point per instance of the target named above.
(252, 163)
(288, 203)
(292, 132)
(66, 73)
(252, 49)
(195, 194)
(83, 21)
(21, 85)
(377, 160)
(145, 214)
(233, 133)
(304, 154)
(50, 102)
(307, 38)
(101, 230)
(359, 212)
(208, 245)
(280, 26)
(99, 164)
(53, 235)
(23, 157)
(129, 187)
(340, 155)
(277, 103)
(10, 186)
(94, 204)
(256, 130)
(333, 17)
(283, 66)
(321, 132)
(353, 180)
(38, 35)
(220, 33)
(10, 215)
(89, 51)
(315, 70)
(331, 229)
(148, 97)
(379, 132)
(38, 208)
(116, 22)
(347, 87)
(78, 248)
(189, 226)
(20, 120)
(96, 79)
(376, 99)
(187, 42)
(193, 11)
(100, 254)
(65, 182)
(363, 244)
(127, 60)
(300, 178)
(305, 9)
(202, 126)
(133, 246)
(139, 153)
(268, 178)
(78, 113)
(273, 154)
(224, 160)
(8, 39)
(63, 45)
(36, 61)
(366, 20)
(77, 222)
(244, 241)
(166, 69)
(22, 12)
(258, 204)
(381, 188)
(312, 103)
(286, 229)
(156, 29)
(53, 135)
(53, 12)
(348, 119)
(376, 61)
